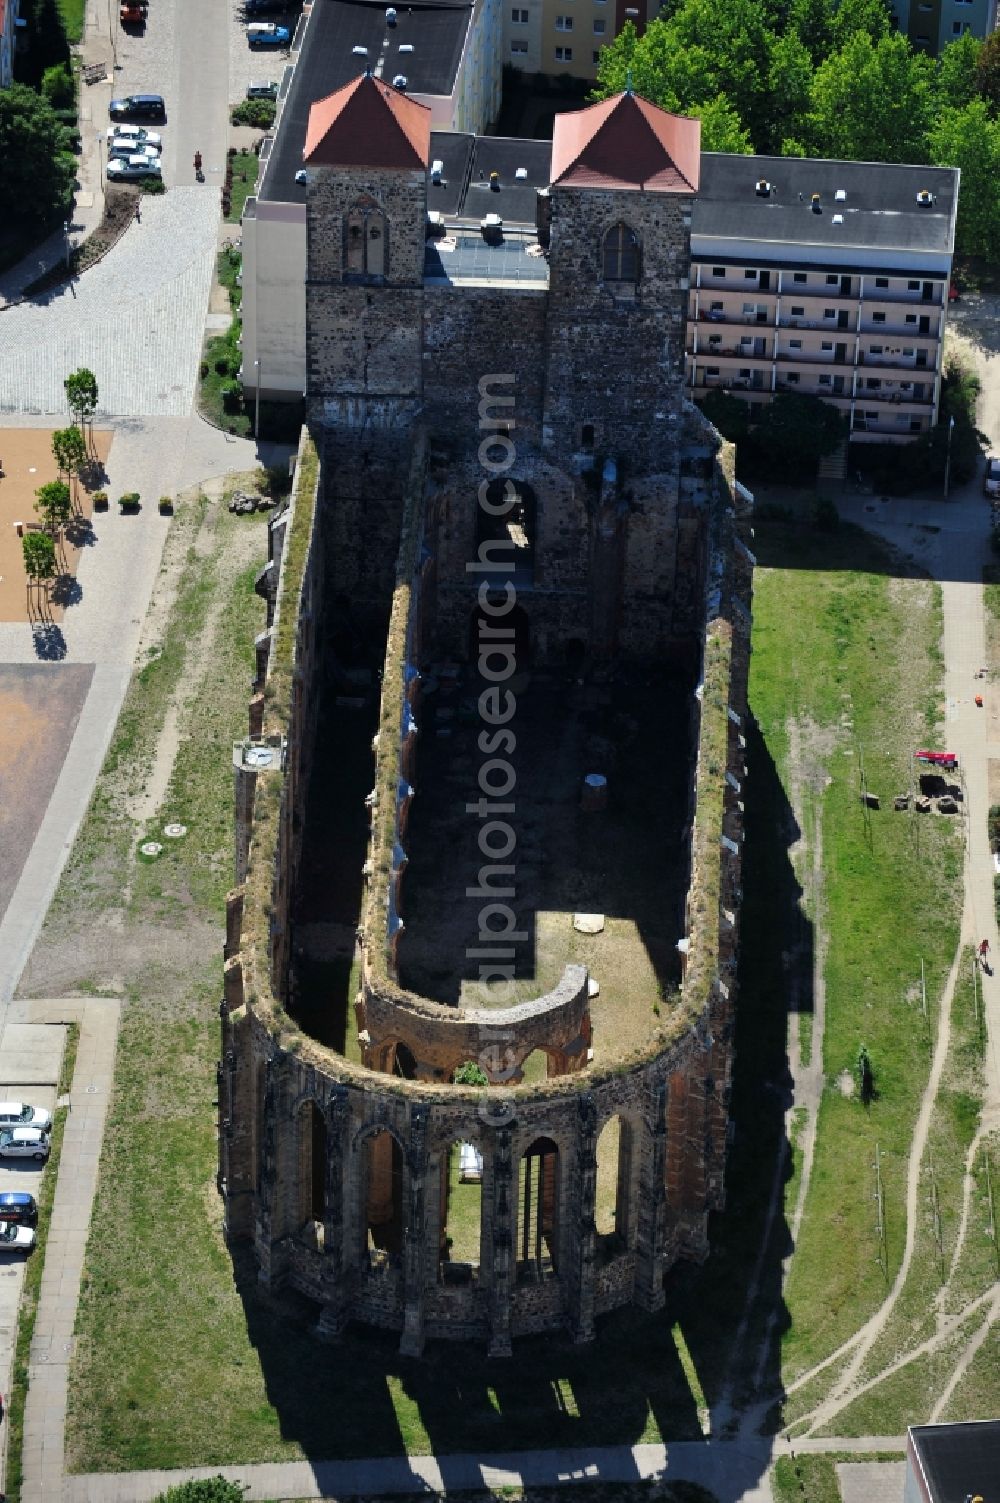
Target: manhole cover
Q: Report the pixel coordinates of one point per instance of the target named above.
(175, 831)
(151, 848)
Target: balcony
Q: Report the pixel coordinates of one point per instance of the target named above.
(874, 294)
(730, 316)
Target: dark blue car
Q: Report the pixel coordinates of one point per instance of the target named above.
(18, 1205)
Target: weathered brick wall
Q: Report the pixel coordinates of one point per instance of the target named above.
(476, 332)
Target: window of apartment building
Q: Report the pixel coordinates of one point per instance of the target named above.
(878, 318)
(795, 344)
(745, 373)
(829, 313)
(718, 271)
(832, 279)
(798, 276)
(715, 307)
(798, 312)
(915, 425)
(913, 286)
(596, 56)
(908, 354)
(519, 17)
(959, 28)
(564, 23)
(826, 380)
(921, 39)
(881, 281)
(876, 349)
(792, 378)
(751, 274)
(518, 46)
(873, 383)
(564, 54)
(911, 318)
(711, 370)
(827, 346)
(599, 27)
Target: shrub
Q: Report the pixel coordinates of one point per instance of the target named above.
(225, 364)
(866, 1076)
(232, 394)
(206, 1490)
(58, 87)
(153, 185)
(129, 501)
(471, 1074)
(825, 515)
(100, 500)
(166, 505)
(259, 113)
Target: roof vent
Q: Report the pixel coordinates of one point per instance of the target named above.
(841, 195)
(437, 170)
(521, 174)
(817, 206)
(406, 46)
(360, 51)
(925, 198)
(390, 15)
(631, 10)
(399, 82)
(763, 188)
(837, 219)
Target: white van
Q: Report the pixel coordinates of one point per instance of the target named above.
(18, 1114)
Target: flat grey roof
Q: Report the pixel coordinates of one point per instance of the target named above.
(959, 1460)
(436, 29)
(880, 209)
(468, 258)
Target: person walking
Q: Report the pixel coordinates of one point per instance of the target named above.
(984, 950)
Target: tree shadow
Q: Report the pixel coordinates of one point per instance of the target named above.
(79, 532)
(48, 641)
(66, 590)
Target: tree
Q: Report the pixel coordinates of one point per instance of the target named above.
(812, 22)
(794, 431)
(851, 18)
(957, 67)
(58, 86)
(988, 71)
(969, 138)
(721, 128)
(69, 450)
(871, 102)
(81, 394)
(39, 553)
(731, 416)
(37, 171)
(790, 84)
(471, 1074)
(53, 505)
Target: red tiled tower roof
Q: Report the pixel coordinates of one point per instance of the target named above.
(368, 124)
(626, 142)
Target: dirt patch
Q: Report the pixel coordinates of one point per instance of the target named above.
(26, 463)
(845, 1084)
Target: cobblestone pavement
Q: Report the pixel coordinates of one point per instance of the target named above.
(136, 319)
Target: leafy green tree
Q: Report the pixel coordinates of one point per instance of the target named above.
(721, 128)
(732, 417)
(794, 431)
(851, 18)
(39, 556)
(790, 85)
(58, 86)
(53, 505)
(471, 1074)
(871, 102)
(969, 138)
(812, 22)
(42, 42)
(81, 394)
(988, 71)
(957, 67)
(37, 171)
(69, 450)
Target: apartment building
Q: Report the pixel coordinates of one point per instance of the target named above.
(932, 24)
(566, 36)
(828, 278)
(8, 33)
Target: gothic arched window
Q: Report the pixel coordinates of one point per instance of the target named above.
(365, 246)
(621, 254)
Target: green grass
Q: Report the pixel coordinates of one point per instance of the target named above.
(845, 674)
(28, 1308)
(245, 169)
(805, 1479)
(72, 12)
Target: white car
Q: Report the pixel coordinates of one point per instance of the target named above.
(23, 1143)
(134, 133)
(126, 167)
(124, 147)
(19, 1114)
(14, 1238)
(470, 1164)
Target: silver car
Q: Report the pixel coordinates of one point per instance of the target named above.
(134, 133)
(23, 1143)
(124, 146)
(14, 1238)
(20, 1114)
(134, 166)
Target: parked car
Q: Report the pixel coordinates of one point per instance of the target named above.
(138, 107)
(19, 1114)
(23, 1143)
(14, 1238)
(263, 7)
(991, 480)
(267, 34)
(126, 148)
(132, 13)
(134, 133)
(260, 89)
(18, 1205)
(120, 168)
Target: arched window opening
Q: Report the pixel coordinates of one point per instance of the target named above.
(538, 1212)
(506, 529)
(587, 437)
(366, 236)
(382, 1188)
(621, 254)
(312, 1164)
(260, 1105)
(614, 1181)
(403, 1063)
(461, 1212)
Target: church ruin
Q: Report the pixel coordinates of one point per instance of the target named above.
(480, 967)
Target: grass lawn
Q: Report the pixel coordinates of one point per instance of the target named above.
(245, 169)
(845, 676)
(220, 359)
(72, 12)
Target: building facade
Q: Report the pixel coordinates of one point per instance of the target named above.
(826, 278)
(556, 37)
(8, 35)
(932, 25)
(500, 451)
